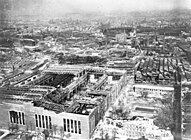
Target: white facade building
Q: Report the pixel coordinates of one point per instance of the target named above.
(153, 90)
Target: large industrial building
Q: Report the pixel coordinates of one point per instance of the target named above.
(63, 99)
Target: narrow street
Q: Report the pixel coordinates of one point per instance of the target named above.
(122, 96)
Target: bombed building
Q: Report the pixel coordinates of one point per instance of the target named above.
(63, 99)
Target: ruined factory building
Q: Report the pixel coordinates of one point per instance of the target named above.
(61, 99)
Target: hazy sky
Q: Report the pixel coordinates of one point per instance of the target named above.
(113, 5)
(54, 7)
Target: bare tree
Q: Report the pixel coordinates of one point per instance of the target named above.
(51, 133)
(46, 133)
(165, 115)
(61, 132)
(54, 129)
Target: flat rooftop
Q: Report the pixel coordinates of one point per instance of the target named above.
(64, 69)
(74, 92)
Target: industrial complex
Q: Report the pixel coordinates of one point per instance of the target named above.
(72, 98)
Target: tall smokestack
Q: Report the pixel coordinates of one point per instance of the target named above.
(177, 113)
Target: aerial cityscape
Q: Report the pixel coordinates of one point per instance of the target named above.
(95, 70)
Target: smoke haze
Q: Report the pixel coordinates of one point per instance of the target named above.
(58, 7)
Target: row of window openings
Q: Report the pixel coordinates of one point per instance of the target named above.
(43, 121)
(154, 89)
(17, 117)
(72, 126)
